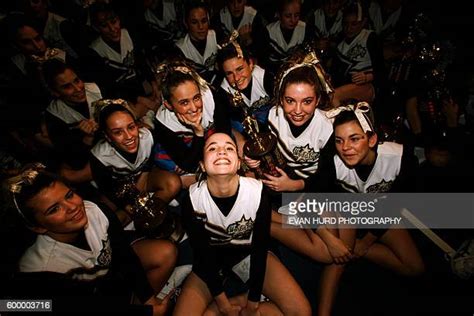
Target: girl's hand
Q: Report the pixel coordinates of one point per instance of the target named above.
(252, 163)
(195, 125)
(339, 251)
(283, 182)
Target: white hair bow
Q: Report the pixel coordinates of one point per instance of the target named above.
(360, 109)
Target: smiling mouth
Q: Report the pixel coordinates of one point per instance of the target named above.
(222, 161)
(130, 143)
(79, 214)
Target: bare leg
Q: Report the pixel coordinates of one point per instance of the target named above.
(158, 258)
(397, 251)
(304, 241)
(332, 274)
(361, 92)
(194, 298)
(278, 284)
(166, 185)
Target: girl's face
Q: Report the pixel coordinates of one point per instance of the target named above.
(108, 25)
(299, 102)
(198, 24)
(353, 145)
(186, 100)
(351, 26)
(220, 156)
(69, 87)
(122, 131)
(59, 212)
(331, 7)
(290, 16)
(30, 42)
(236, 7)
(238, 72)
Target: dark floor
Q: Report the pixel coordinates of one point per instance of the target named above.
(367, 289)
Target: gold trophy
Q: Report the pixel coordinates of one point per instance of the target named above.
(149, 214)
(261, 146)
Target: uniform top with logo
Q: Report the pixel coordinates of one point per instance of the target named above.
(394, 170)
(176, 144)
(278, 48)
(164, 20)
(111, 69)
(204, 63)
(224, 23)
(111, 166)
(257, 99)
(302, 152)
(360, 54)
(324, 31)
(225, 231)
(64, 271)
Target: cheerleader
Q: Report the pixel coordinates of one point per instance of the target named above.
(199, 45)
(79, 251)
(191, 109)
(227, 218)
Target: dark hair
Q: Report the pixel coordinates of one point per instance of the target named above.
(283, 3)
(29, 189)
(107, 111)
(100, 7)
(194, 4)
(53, 68)
(15, 22)
(229, 52)
(305, 74)
(349, 116)
(172, 80)
(352, 7)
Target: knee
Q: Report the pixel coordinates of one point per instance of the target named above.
(168, 253)
(173, 184)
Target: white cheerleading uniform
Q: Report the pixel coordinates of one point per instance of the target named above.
(237, 227)
(226, 18)
(302, 152)
(122, 61)
(69, 115)
(170, 120)
(380, 27)
(49, 255)
(320, 24)
(167, 26)
(117, 164)
(203, 63)
(280, 49)
(259, 96)
(355, 55)
(385, 170)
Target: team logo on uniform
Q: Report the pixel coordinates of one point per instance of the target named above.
(105, 257)
(305, 154)
(241, 229)
(356, 52)
(383, 186)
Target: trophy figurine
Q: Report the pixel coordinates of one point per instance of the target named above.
(149, 214)
(261, 146)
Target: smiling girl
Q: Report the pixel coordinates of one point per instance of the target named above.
(227, 218)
